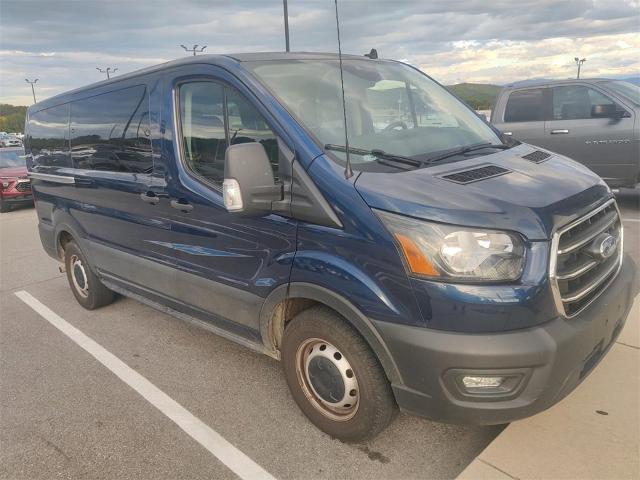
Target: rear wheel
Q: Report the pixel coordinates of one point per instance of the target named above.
(85, 285)
(334, 377)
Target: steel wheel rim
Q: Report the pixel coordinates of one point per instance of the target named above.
(77, 270)
(316, 355)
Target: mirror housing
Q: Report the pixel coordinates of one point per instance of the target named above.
(606, 111)
(249, 187)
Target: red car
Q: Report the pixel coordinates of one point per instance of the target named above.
(15, 187)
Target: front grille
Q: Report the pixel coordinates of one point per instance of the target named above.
(23, 186)
(579, 271)
(475, 174)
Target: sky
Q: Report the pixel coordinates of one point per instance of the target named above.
(61, 42)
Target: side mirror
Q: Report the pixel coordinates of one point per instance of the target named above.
(249, 187)
(606, 111)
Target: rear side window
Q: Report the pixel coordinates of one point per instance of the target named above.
(525, 106)
(573, 102)
(110, 132)
(212, 117)
(48, 137)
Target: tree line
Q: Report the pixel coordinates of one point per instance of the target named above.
(12, 118)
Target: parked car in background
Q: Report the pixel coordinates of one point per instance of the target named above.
(593, 121)
(15, 186)
(8, 140)
(447, 274)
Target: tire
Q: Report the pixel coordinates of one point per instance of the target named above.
(4, 208)
(85, 285)
(350, 408)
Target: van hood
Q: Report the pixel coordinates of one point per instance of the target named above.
(13, 172)
(532, 198)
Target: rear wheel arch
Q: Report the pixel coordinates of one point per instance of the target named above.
(62, 239)
(286, 301)
(66, 229)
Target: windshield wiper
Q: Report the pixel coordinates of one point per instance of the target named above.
(470, 148)
(379, 154)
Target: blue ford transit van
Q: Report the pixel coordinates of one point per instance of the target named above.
(444, 271)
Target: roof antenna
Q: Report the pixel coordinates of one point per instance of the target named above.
(348, 172)
(373, 54)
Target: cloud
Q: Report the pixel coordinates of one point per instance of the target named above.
(62, 41)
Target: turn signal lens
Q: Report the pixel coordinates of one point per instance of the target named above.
(232, 195)
(416, 260)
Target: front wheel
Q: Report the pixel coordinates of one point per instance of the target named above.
(334, 377)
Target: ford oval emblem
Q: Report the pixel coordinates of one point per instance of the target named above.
(608, 246)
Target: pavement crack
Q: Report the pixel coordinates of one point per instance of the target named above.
(56, 448)
(627, 345)
(499, 469)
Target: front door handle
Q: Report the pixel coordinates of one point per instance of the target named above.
(560, 131)
(183, 206)
(150, 197)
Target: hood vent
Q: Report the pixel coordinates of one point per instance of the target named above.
(537, 156)
(476, 174)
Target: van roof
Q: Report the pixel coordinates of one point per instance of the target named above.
(214, 59)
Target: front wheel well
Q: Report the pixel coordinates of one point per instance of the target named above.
(277, 315)
(281, 315)
(64, 238)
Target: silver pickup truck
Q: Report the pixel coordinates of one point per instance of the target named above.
(595, 122)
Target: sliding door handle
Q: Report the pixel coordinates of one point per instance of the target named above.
(181, 205)
(560, 131)
(150, 197)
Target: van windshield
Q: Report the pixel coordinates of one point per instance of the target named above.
(626, 89)
(390, 106)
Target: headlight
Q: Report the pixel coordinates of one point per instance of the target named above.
(448, 252)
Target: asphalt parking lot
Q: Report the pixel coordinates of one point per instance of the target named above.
(63, 414)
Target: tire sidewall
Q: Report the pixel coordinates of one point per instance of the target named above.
(87, 302)
(363, 424)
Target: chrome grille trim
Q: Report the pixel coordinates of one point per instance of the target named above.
(578, 271)
(590, 287)
(602, 281)
(584, 241)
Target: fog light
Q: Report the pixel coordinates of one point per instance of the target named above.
(482, 383)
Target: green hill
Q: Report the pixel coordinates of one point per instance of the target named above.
(12, 118)
(479, 95)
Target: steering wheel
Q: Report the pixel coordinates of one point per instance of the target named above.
(396, 124)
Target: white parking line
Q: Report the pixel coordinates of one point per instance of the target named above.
(224, 451)
(631, 219)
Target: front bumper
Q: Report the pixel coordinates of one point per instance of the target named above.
(18, 199)
(551, 359)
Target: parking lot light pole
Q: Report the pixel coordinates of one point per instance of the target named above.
(579, 62)
(195, 50)
(33, 90)
(286, 25)
(107, 70)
